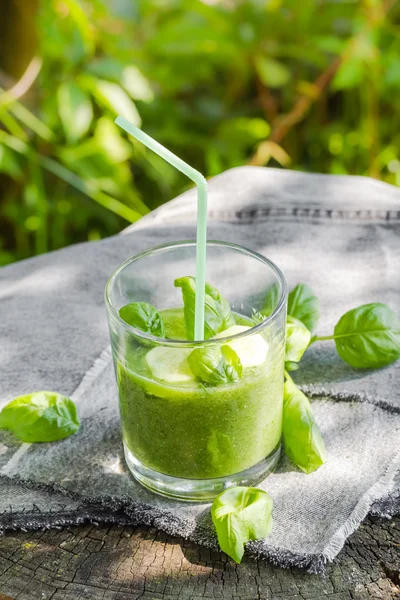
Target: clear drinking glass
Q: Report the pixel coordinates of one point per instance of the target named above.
(183, 438)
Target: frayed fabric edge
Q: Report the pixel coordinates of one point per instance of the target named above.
(315, 392)
(387, 507)
(380, 489)
(126, 512)
(44, 521)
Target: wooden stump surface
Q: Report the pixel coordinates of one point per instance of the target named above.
(127, 563)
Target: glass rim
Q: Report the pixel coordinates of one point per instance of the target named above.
(113, 312)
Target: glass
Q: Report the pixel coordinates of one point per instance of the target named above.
(183, 438)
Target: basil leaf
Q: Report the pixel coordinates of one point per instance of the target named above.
(291, 366)
(368, 336)
(301, 435)
(303, 305)
(241, 514)
(297, 339)
(217, 312)
(271, 301)
(40, 417)
(215, 365)
(143, 316)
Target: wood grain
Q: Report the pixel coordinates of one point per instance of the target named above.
(128, 563)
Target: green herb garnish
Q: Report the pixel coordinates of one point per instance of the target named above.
(215, 365)
(365, 337)
(368, 337)
(241, 514)
(301, 435)
(217, 312)
(297, 339)
(304, 306)
(143, 316)
(40, 417)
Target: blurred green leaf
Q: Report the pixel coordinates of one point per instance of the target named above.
(90, 190)
(136, 84)
(349, 75)
(113, 97)
(11, 123)
(364, 47)
(330, 43)
(82, 21)
(31, 121)
(75, 109)
(243, 130)
(9, 163)
(272, 73)
(106, 68)
(188, 34)
(110, 140)
(6, 258)
(392, 71)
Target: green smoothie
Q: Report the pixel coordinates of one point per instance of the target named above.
(176, 425)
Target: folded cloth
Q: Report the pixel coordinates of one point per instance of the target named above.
(341, 235)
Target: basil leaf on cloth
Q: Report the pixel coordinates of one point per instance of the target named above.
(241, 514)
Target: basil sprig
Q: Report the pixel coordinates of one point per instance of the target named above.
(368, 336)
(365, 337)
(241, 514)
(40, 417)
(217, 311)
(215, 365)
(143, 316)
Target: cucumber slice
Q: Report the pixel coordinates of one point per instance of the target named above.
(170, 364)
(251, 350)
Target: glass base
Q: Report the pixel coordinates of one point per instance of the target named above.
(198, 490)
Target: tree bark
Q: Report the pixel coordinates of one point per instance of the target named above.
(18, 36)
(127, 563)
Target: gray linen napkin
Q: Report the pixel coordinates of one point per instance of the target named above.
(341, 235)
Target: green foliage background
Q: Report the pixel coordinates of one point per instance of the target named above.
(296, 84)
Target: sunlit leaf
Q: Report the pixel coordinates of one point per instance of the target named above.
(110, 140)
(113, 97)
(75, 109)
(272, 72)
(242, 130)
(82, 21)
(349, 75)
(136, 84)
(364, 47)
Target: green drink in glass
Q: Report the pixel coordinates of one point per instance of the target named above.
(199, 416)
